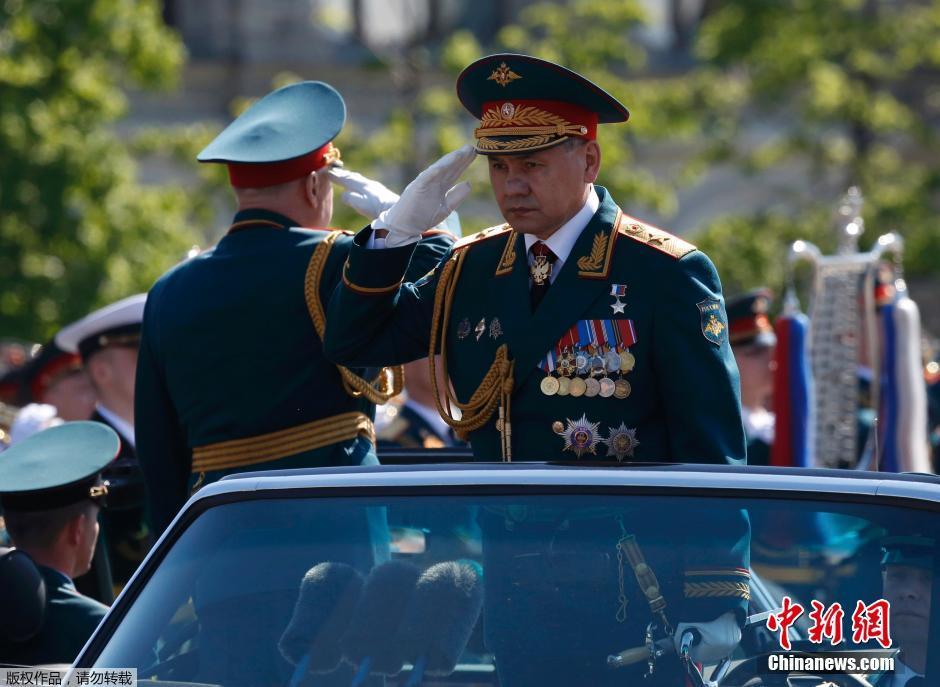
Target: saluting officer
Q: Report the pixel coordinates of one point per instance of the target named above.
(51, 491)
(232, 374)
(572, 332)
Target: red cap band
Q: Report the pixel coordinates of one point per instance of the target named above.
(571, 114)
(264, 174)
(52, 371)
(746, 327)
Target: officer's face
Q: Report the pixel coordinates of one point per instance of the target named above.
(73, 397)
(908, 589)
(756, 367)
(114, 371)
(538, 192)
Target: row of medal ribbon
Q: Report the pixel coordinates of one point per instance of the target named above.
(585, 359)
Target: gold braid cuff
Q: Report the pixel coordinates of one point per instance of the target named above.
(263, 448)
(495, 389)
(706, 590)
(390, 380)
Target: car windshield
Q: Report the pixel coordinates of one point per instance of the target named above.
(560, 588)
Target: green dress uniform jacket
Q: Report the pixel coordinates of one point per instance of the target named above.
(229, 352)
(70, 619)
(683, 403)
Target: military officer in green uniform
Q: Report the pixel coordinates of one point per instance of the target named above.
(51, 491)
(231, 375)
(753, 342)
(572, 332)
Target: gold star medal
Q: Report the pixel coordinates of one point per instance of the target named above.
(580, 435)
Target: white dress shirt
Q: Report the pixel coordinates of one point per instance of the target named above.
(122, 426)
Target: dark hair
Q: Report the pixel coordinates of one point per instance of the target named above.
(39, 529)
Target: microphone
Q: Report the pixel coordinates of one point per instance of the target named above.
(368, 643)
(328, 594)
(447, 603)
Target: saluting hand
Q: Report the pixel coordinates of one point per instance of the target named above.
(364, 195)
(428, 199)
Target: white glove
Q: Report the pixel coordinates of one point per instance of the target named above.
(31, 419)
(428, 199)
(366, 196)
(719, 637)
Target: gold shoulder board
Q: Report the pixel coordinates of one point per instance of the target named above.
(654, 237)
(488, 233)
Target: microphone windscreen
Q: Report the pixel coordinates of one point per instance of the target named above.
(386, 594)
(328, 595)
(446, 605)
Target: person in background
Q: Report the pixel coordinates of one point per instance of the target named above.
(51, 490)
(57, 378)
(108, 340)
(907, 578)
(753, 342)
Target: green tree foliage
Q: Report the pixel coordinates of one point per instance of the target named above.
(848, 93)
(77, 229)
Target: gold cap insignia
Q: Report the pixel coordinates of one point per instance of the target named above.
(503, 75)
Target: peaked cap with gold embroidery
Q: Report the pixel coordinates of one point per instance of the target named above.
(526, 104)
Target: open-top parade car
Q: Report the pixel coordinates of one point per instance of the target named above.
(529, 574)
